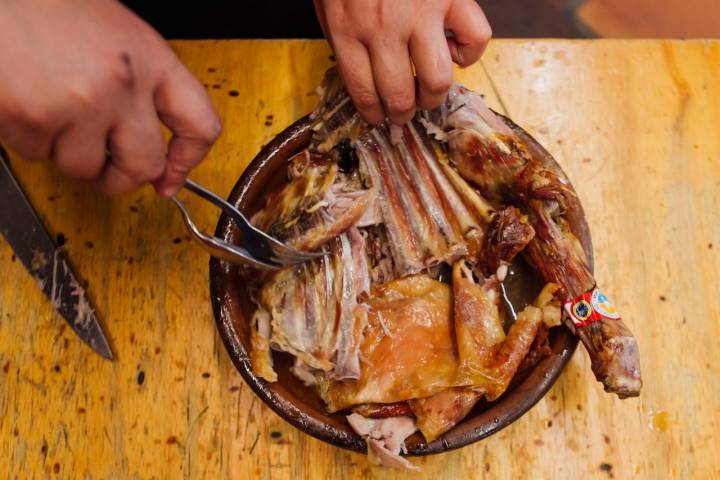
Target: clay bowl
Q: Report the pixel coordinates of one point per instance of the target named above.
(298, 404)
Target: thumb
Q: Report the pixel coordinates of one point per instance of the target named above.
(470, 29)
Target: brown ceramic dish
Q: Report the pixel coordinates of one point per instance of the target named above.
(298, 404)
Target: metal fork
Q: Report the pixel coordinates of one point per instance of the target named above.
(261, 250)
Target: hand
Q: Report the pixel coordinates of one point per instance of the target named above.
(378, 42)
(83, 79)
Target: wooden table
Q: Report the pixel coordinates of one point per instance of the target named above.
(635, 124)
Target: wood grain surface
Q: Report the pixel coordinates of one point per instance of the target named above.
(635, 125)
(651, 18)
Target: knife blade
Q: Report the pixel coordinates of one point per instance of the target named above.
(34, 246)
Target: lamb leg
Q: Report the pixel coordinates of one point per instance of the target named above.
(506, 163)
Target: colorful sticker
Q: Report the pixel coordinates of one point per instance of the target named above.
(590, 307)
(602, 305)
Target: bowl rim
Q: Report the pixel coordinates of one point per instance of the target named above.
(504, 411)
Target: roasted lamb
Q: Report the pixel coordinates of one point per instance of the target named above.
(403, 322)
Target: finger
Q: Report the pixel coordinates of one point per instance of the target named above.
(114, 180)
(31, 142)
(353, 64)
(394, 79)
(30, 146)
(471, 30)
(320, 12)
(433, 65)
(184, 106)
(137, 152)
(79, 151)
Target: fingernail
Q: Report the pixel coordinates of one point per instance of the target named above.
(459, 57)
(455, 52)
(167, 191)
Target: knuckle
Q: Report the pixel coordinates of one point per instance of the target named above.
(365, 100)
(79, 168)
(84, 97)
(379, 39)
(34, 149)
(113, 186)
(132, 170)
(141, 171)
(438, 85)
(208, 131)
(33, 116)
(154, 171)
(121, 71)
(400, 103)
(178, 169)
(31, 143)
(151, 172)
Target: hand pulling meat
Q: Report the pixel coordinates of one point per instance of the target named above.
(378, 326)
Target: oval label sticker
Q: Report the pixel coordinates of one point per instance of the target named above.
(603, 305)
(589, 307)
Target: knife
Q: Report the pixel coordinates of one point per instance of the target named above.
(34, 246)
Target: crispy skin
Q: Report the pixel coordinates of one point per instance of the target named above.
(403, 205)
(383, 410)
(538, 350)
(517, 345)
(437, 414)
(478, 326)
(408, 350)
(489, 359)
